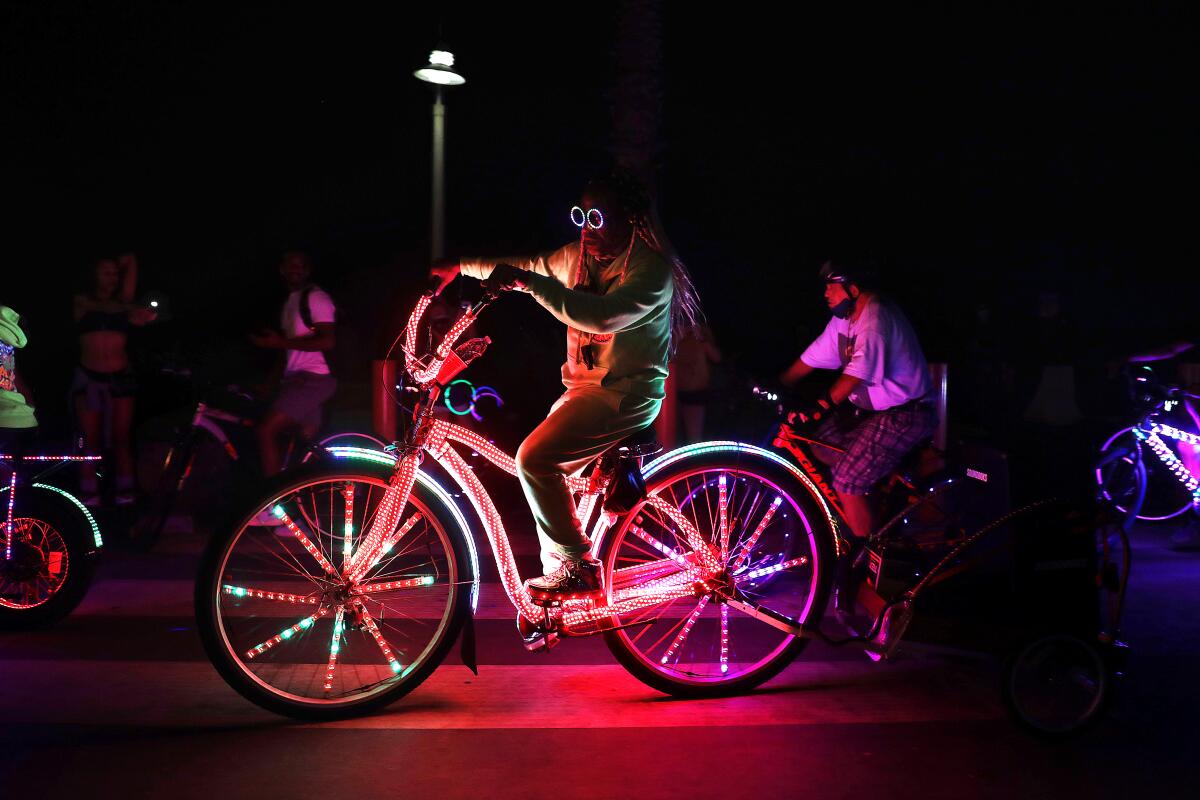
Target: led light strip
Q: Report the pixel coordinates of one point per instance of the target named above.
(724, 638)
(723, 515)
(263, 594)
(373, 629)
(694, 539)
(464, 530)
(407, 583)
(348, 526)
(627, 605)
(287, 521)
(335, 646)
(753, 540)
(387, 515)
(394, 539)
(681, 560)
(12, 496)
(457, 433)
(285, 634)
(683, 633)
(758, 573)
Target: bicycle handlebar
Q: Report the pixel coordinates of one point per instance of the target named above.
(424, 371)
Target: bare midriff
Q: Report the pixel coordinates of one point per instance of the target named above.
(103, 351)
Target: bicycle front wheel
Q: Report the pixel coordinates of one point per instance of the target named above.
(769, 543)
(1136, 481)
(289, 626)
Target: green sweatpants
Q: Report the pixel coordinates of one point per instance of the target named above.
(581, 425)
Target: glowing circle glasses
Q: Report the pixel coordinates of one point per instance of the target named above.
(592, 218)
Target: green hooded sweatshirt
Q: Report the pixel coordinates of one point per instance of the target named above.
(14, 411)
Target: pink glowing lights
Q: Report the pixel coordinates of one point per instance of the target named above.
(265, 594)
(748, 547)
(305, 542)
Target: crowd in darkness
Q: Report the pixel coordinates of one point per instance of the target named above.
(1034, 379)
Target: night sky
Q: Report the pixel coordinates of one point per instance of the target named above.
(982, 158)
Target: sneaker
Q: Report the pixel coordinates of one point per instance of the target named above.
(895, 621)
(574, 580)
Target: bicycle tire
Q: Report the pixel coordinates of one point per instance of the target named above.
(177, 464)
(1056, 685)
(228, 623)
(54, 545)
(1152, 506)
(705, 658)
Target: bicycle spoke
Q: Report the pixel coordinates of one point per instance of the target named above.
(723, 510)
(384, 647)
(335, 645)
(758, 573)
(687, 628)
(285, 634)
(724, 638)
(753, 540)
(424, 580)
(348, 525)
(264, 594)
(290, 524)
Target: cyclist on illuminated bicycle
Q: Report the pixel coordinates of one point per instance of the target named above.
(626, 299)
(885, 380)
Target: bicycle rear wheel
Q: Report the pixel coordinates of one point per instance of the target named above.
(288, 630)
(1056, 684)
(772, 544)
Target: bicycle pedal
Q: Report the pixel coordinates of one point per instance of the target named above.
(542, 644)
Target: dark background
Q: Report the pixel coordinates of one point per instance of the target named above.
(982, 157)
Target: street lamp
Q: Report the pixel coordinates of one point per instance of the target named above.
(439, 72)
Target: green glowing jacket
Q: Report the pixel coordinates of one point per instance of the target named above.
(14, 411)
(621, 310)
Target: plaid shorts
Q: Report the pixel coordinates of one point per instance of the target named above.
(875, 442)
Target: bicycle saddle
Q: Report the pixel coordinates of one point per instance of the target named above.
(640, 444)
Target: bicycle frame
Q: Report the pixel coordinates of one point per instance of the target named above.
(11, 488)
(675, 576)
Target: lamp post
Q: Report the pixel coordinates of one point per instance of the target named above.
(439, 73)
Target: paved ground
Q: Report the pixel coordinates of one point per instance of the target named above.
(118, 700)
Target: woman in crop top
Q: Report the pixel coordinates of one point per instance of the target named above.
(103, 387)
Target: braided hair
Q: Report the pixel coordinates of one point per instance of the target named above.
(634, 199)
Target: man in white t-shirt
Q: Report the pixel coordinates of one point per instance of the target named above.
(307, 384)
(883, 376)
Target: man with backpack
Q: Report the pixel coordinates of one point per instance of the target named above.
(307, 384)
